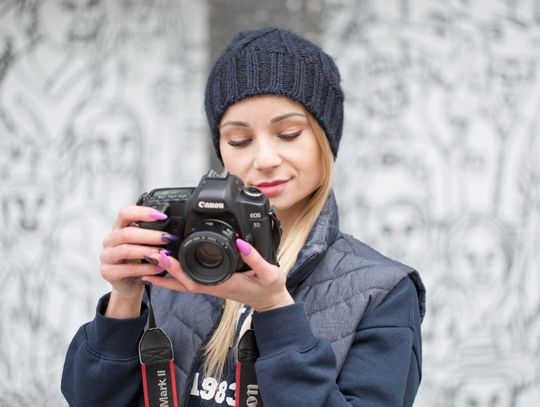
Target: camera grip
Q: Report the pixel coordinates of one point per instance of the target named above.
(159, 224)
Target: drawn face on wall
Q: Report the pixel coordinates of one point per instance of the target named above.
(398, 229)
(510, 77)
(440, 37)
(112, 147)
(384, 92)
(346, 19)
(142, 17)
(484, 393)
(480, 259)
(461, 106)
(27, 208)
(72, 23)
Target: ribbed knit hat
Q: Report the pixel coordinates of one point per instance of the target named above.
(274, 61)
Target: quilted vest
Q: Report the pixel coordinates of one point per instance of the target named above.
(338, 279)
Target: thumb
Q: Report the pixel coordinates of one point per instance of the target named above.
(251, 256)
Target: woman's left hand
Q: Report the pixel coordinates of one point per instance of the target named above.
(262, 288)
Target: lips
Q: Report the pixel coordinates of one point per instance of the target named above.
(272, 188)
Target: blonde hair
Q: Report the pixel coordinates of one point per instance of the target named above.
(217, 349)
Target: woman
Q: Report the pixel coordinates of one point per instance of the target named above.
(335, 324)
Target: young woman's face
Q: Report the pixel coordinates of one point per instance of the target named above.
(267, 141)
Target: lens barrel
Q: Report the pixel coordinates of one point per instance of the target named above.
(208, 255)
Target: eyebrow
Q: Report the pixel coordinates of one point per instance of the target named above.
(285, 116)
(234, 123)
(273, 120)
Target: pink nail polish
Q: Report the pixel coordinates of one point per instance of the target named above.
(164, 258)
(243, 247)
(157, 215)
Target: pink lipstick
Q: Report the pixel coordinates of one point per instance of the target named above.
(272, 188)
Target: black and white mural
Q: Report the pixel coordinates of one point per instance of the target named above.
(99, 100)
(439, 165)
(440, 169)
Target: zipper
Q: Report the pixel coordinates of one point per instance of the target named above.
(297, 278)
(197, 361)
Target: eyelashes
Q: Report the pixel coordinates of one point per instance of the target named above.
(290, 136)
(246, 141)
(239, 143)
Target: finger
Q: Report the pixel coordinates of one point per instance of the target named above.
(138, 235)
(174, 268)
(134, 213)
(165, 282)
(117, 254)
(263, 269)
(117, 272)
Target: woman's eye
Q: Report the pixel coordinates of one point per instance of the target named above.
(239, 143)
(290, 136)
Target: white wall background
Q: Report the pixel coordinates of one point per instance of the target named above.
(99, 101)
(438, 168)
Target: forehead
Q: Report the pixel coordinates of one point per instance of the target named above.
(260, 107)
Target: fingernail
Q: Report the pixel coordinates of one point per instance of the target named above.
(157, 215)
(159, 269)
(163, 253)
(151, 260)
(243, 247)
(167, 237)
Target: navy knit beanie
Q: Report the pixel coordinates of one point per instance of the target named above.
(273, 61)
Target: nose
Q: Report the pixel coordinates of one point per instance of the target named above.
(267, 156)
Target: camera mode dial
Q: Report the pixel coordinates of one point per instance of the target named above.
(252, 192)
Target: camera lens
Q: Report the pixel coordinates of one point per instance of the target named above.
(208, 255)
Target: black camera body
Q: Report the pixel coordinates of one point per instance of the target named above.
(208, 219)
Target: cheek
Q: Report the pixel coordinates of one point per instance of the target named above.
(236, 164)
(311, 159)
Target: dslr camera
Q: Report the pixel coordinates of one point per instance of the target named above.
(208, 219)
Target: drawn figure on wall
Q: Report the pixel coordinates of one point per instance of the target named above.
(486, 371)
(481, 264)
(383, 94)
(103, 151)
(474, 165)
(141, 36)
(512, 94)
(53, 75)
(28, 213)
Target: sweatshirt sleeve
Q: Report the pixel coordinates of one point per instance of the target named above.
(102, 362)
(382, 368)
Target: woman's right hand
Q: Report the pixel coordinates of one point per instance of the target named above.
(123, 250)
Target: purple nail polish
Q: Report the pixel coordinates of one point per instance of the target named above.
(243, 247)
(157, 215)
(163, 253)
(167, 237)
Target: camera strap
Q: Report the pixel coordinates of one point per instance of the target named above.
(247, 389)
(157, 363)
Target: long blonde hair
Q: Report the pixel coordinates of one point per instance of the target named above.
(217, 349)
